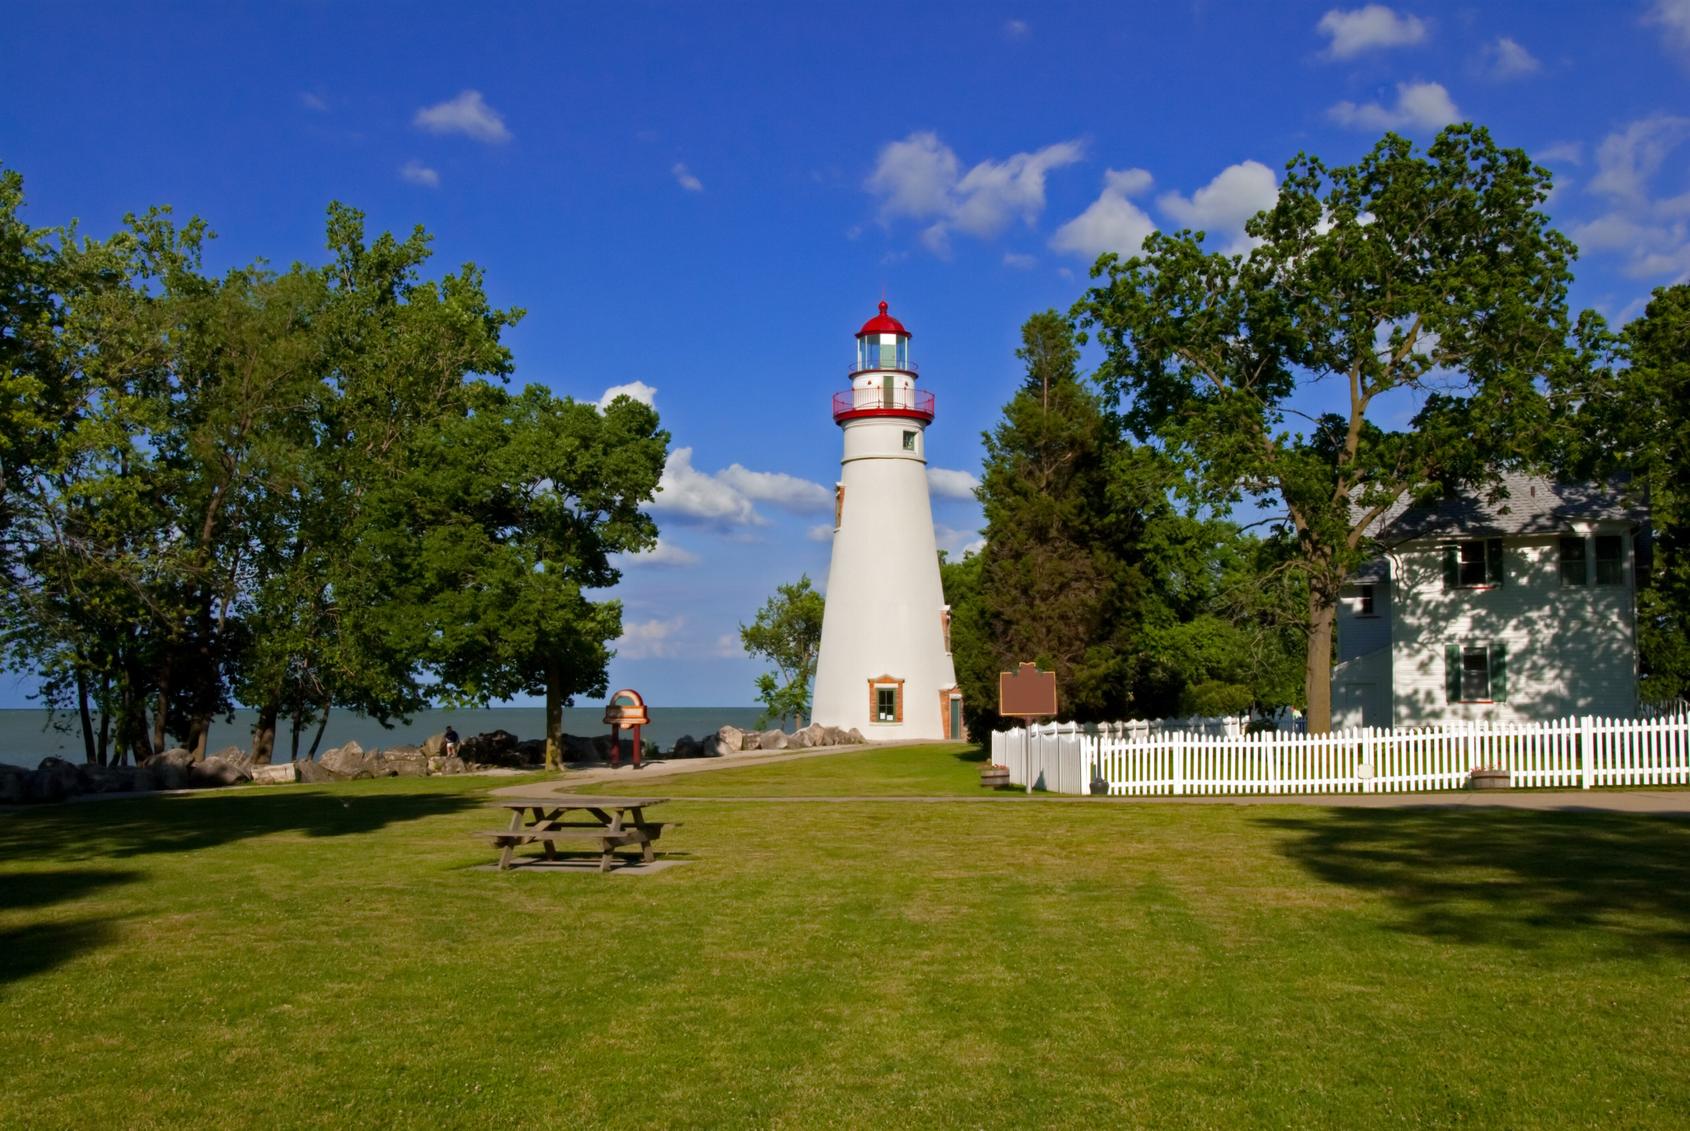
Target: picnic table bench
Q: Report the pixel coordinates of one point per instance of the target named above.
(608, 822)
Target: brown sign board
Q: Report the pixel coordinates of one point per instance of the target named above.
(625, 709)
(1026, 692)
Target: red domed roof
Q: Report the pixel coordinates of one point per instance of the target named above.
(883, 323)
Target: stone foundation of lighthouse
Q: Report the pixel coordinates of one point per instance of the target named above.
(885, 664)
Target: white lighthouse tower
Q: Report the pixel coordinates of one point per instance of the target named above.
(885, 663)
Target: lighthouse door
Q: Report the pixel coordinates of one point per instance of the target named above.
(886, 398)
(956, 717)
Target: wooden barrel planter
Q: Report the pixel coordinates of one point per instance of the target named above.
(994, 776)
(1488, 779)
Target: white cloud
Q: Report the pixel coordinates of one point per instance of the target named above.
(416, 173)
(1419, 105)
(1222, 206)
(957, 543)
(1506, 59)
(1562, 152)
(1673, 17)
(650, 639)
(785, 491)
(1626, 160)
(684, 177)
(1368, 29)
(639, 390)
(664, 554)
(313, 101)
(1018, 261)
(822, 532)
(1651, 234)
(727, 497)
(729, 646)
(914, 177)
(467, 114)
(1111, 222)
(688, 493)
(920, 177)
(1016, 29)
(947, 483)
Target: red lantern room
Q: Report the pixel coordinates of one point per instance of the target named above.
(883, 376)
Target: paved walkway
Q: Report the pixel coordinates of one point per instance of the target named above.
(656, 769)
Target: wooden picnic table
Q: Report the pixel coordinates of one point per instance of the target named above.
(556, 818)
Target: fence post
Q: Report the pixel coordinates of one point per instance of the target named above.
(1367, 759)
(1587, 751)
(1179, 762)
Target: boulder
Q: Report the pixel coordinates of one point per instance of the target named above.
(14, 784)
(54, 780)
(347, 761)
(687, 746)
(492, 748)
(108, 779)
(405, 762)
(834, 736)
(580, 748)
(180, 755)
(452, 765)
(715, 747)
(160, 773)
(533, 751)
(735, 739)
(771, 740)
(215, 772)
(854, 737)
(799, 739)
(279, 774)
(435, 745)
(235, 756)
(315, 773)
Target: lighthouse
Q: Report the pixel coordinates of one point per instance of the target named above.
(885, 661)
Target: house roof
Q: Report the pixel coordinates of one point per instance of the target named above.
(1532, 504)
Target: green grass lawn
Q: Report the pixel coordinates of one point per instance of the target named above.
(952, 768)
(334, 956)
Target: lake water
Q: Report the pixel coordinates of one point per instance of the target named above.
(26, 737)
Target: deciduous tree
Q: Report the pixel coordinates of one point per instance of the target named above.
(1416, 282)
(787, 632)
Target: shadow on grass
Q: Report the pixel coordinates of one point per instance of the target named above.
(118, 829)
(975, 754)
(1512, 878)
(37, 947)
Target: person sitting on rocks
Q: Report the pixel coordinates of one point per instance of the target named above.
(451, 747)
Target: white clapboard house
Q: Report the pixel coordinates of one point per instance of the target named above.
(1517, 609)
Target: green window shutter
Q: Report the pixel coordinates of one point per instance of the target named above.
(1452, 672)
(1493, 561)
(1452, 568)
(1499, 671)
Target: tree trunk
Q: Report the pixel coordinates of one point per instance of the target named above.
(264, 733)
(554, 717)
(162, 716)
(298, 718)
(322, 725)
(199, 735)
(87, 720)
(105, 717)
(1317, 675)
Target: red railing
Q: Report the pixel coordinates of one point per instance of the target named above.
(853, 404)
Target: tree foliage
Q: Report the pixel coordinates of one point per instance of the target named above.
(1425, 282)
(787, 632)
(300, 490)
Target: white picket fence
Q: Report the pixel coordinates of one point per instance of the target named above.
(1569, 753)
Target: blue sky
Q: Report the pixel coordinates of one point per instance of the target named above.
(704, 202)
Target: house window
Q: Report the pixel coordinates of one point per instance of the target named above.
(1572, 561)
(1610, 559)
(909, 441)
(838, 504)
(886, 699)
(1476, 673)
(945, 626)
(1364, 606)
(1474, 564)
